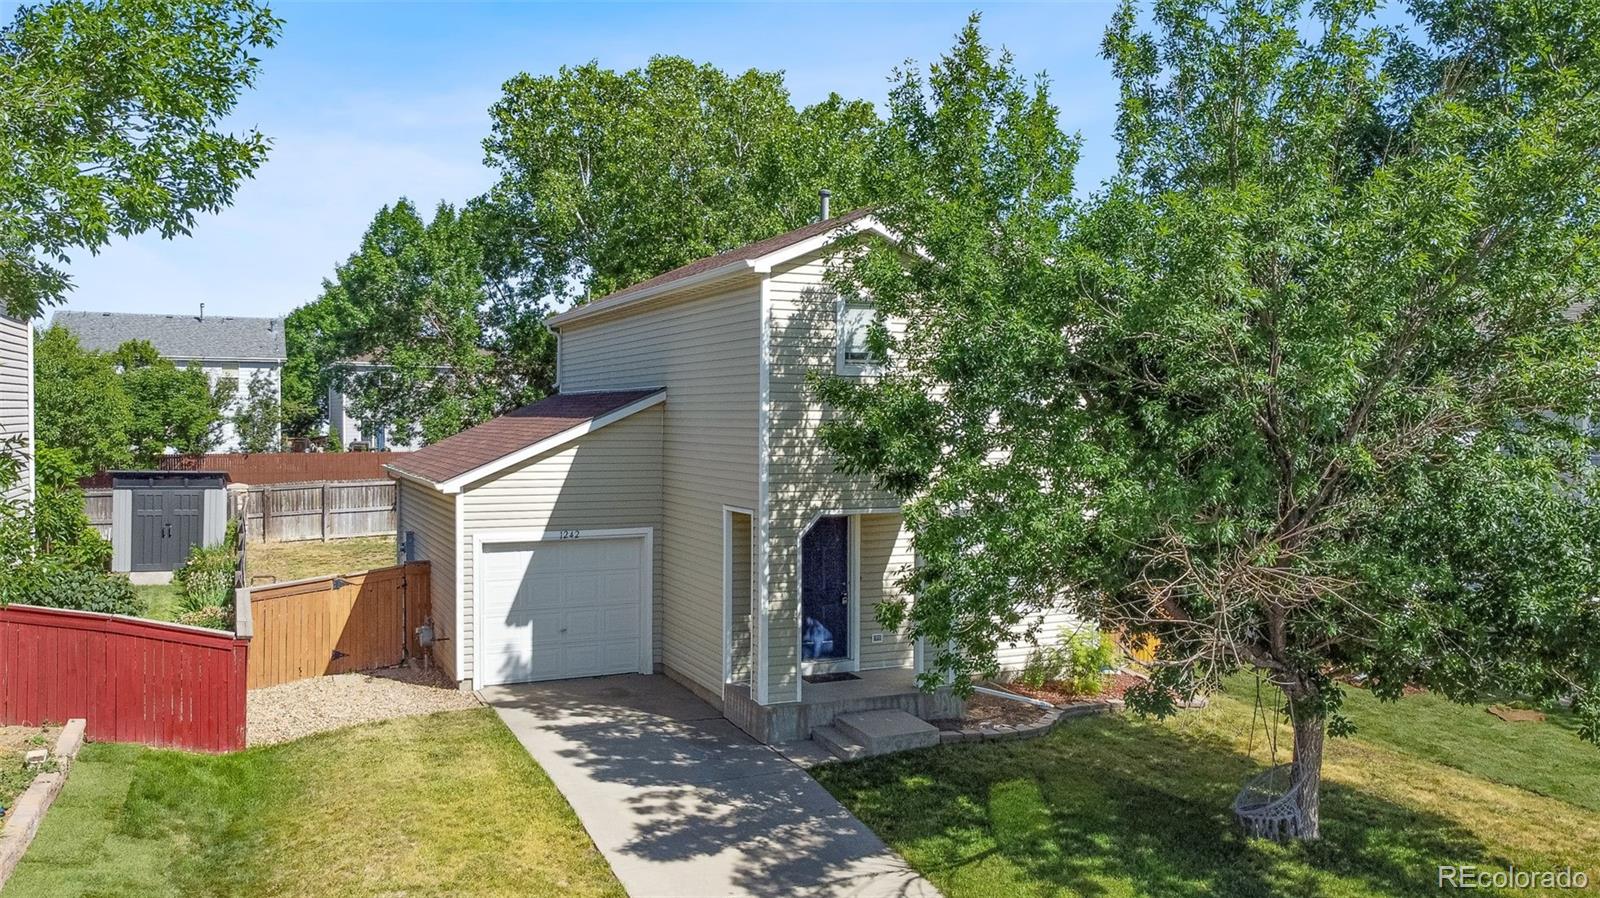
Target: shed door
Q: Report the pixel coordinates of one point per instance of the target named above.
(554, 610)
(166, 525)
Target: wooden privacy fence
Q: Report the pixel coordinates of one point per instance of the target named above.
(291, 512)
(97, 505)
(131, 680)
(330, 625)
(329, 509)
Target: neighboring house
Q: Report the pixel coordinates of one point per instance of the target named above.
(671, 508)
(343, 421)
(223, 346)
(16, 401)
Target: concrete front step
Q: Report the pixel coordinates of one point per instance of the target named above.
(838, 743)
(867, 733)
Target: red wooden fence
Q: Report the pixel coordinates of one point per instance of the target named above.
(131, 680)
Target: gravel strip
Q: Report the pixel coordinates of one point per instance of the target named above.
(292, 710)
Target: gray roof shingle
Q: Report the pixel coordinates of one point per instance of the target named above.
(182, 337)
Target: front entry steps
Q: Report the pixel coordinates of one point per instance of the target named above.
(864, 734)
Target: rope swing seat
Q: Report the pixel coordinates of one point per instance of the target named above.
(1268, 806)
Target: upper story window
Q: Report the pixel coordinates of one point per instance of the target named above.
(855, 319)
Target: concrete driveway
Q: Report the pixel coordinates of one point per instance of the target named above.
(682, 803)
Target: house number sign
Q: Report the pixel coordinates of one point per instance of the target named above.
(569, 534)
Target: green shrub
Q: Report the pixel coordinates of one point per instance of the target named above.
(1044, 664)
(213, 616)
(206, 579)
(1079, 662)
(51, 584)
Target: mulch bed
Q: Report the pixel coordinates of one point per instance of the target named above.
(986, 709)
(1061, 695)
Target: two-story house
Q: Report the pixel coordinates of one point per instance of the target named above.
(349, 424)
(224, 346)
(672, 510)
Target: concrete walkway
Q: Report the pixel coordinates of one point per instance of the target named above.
(683, 803)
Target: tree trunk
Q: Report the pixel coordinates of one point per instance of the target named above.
(1309, 732)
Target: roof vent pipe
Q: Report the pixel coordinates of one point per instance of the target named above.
(202, 311)
(824, 193)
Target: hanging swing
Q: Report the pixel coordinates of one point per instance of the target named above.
(1268, 806)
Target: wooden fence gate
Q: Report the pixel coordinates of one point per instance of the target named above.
(340, 624)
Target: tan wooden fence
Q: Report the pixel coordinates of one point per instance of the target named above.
(292, 512)
(327, 509)
(330, 625)
(97, 505)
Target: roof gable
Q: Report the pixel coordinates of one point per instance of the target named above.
(512, 438)
(184, 337)
(752, 258)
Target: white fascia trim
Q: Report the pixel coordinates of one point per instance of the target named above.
(867, 224)
(758, 265)
(185, 360)
(606, 304)
(461, 481)
(456, 628)
(414, 478)
(761, 654)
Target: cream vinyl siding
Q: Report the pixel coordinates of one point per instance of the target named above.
(607, 479)
(703, 349)
(1052, 624)
(16, 399)
(801, 480)
(886, 556)
(431, 517)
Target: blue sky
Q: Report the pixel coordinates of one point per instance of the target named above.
(367, 102)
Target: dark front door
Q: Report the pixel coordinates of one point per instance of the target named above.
(166, 525)
(825, 590)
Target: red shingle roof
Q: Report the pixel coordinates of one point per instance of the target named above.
(497, 438)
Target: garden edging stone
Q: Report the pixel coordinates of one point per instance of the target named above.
(33, 803)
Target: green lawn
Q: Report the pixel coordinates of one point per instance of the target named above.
(1546, 758)
(161, 602)
(277, 562)
(1119, 806)
(427, 806)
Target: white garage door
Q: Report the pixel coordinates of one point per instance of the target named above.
(552, 610)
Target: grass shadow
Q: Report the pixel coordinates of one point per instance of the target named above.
(1117, 806)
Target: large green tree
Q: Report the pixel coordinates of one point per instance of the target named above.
(258, 415)
(110, 115)
(608, 178)
(80, 408)
(174, 409)
(416, 299)
(1294, 391)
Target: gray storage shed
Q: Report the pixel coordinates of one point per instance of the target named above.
(158, 516)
